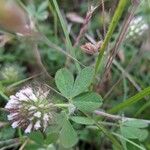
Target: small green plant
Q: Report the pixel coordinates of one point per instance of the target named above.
(76, 95)
(11, 73)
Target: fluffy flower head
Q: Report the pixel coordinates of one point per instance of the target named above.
(30, 109)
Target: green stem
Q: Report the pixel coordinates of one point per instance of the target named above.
(106, 132)
(64, 27)
(61, 105)
(129, 141)
(20, 134)
(55, 18)
(113, 25)
(4, 96)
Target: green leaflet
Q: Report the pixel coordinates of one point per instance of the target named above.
(64, 81)
(88, 102)
(68, 136)
(82, 120)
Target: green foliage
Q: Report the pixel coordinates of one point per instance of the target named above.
(10, 73)
(51, 138)
(80, 89)
(82, 120)
(40, 13)
(134, 133)
(134, 129)
(88, 102)
(118, 13)
(70, 88)
(64, 81)
(37, 137)
(131, 100)
(137, 123)
(132, 145)
(83, 81)
(6, 133)
(68, 136)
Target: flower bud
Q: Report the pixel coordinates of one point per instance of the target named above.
(90, 48)
(71, 109)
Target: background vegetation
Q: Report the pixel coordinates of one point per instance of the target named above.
(106, 54)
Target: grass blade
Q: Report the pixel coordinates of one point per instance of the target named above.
(112, 27)
(131, 101)
(131, 142)
(63, 24)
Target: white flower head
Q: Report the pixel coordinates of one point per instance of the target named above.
(31, 109)
(138, 26)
